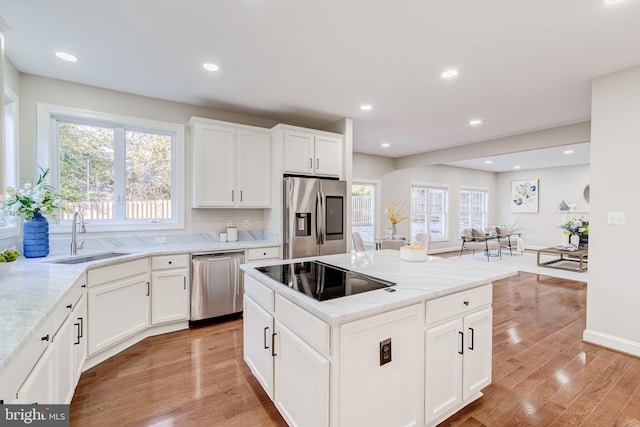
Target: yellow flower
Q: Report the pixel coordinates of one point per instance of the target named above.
(394, 212)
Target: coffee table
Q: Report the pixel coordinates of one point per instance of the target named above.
(578, 256)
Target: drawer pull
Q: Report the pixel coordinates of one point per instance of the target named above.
(45, 338)
(273, 344)
(466, 303)
(264, 337)
(69, 306)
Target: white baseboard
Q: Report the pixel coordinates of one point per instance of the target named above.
(612, 342)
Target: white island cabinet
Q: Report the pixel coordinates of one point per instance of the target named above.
(410, 357)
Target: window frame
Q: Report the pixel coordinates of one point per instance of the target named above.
(471, 188)
(447, 219)
(11, 98)
(48, 116)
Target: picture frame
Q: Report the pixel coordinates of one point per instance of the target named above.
(524, 196)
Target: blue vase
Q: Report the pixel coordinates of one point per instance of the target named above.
(35, 237)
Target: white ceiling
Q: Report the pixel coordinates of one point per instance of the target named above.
(523, 65)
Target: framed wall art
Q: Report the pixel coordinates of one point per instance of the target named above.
(524, 196)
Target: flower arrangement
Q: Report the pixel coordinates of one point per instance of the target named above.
(394, 212)
(31, 200)
(578, 227)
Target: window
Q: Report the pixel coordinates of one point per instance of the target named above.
(473, 208)
(122, 173)
(429, 204)
(363, 211)
(9, 225)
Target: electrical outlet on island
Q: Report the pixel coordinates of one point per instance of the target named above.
(246, 223)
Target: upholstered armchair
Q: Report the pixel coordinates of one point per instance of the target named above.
(510, 240)
(475, 240)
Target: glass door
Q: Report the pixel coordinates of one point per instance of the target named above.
(363, 215)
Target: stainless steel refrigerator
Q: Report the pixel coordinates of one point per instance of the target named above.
(314, 217)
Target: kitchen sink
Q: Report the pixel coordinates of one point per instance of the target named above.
(87, 258)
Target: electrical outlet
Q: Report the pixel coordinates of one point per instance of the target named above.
(229, 223)
(160, 240)
(616, 218)
(246, 223)
(385, 351)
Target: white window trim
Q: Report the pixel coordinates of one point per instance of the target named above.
(378, 208)
(47, 115)
(447, 187)
(473, 188)
(12, 231)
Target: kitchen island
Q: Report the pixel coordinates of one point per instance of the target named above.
(409, 354)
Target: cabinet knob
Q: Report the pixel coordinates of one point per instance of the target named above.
(466, 303)
(170, 262)
(69, 306)
(45, 338)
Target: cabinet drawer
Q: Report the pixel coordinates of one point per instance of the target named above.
(257, 254)
(310, 328)
(259, 292)
(69, 301)
(458, 304)
(169, 261)
(117, 272)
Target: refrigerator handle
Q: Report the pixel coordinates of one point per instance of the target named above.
(319, 219)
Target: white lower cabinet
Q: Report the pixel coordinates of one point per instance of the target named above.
(118, 302)
(70, 351)
(301, 380)
(258, 342)
(458, 351)
(40, 384)
(365, 378)
(169, 289)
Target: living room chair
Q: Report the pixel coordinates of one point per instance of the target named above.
(475, 240)
(358, 244)
(508, 239)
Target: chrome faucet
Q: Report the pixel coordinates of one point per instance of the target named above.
(74, 228)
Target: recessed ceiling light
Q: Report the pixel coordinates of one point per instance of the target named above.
(516, 167)
(210, 67)
(475, 122)
(488, 162)
(366, 107)
(66, 56)
(449, 73)
(568, 151)
(385, 145)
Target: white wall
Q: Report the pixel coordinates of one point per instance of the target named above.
(367, 166)
(34, 89)
(613, 293)
(397, 186)
(555, 184)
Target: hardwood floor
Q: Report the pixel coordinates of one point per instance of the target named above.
(543, 374)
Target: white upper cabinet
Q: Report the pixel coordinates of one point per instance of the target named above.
(231, 165)
(310, 152)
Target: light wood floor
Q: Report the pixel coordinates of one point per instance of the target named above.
(542, 372)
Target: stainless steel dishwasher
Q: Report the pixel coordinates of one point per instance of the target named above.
(216, 285)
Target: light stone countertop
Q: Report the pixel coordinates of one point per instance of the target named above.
(415, 282)
(33, 288)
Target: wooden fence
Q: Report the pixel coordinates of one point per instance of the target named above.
(137, 209)
(362, 210)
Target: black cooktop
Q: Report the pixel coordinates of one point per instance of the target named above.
(322, 281)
